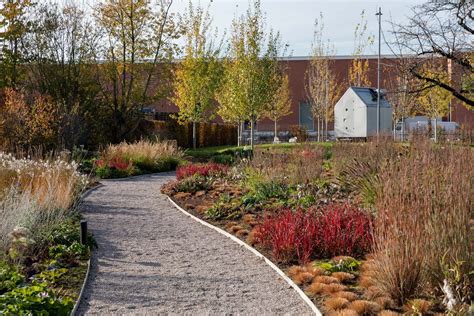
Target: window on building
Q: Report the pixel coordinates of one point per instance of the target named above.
(306, 116)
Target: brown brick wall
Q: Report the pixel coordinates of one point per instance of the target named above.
(297, 69)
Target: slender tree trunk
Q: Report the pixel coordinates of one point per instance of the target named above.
(239, 131)
(242, 143)
(436, 130)
(252, 131)
(276, 133)
(194, 135)
(318, 131)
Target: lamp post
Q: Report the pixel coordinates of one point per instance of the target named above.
(379, 14)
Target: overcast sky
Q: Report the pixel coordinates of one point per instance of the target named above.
(295, 19)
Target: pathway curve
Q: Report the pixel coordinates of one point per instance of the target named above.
(153, 259)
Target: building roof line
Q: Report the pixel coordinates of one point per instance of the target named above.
(338, 57)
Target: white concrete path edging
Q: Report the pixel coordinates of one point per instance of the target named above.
(256, 253)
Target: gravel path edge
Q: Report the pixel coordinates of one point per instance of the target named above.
(282, 274)
(86, 277)
(81, 293)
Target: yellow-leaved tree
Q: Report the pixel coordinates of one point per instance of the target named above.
(433, 100)
(250, 80)
(322, 88)
(198, 76)
(281, 105)
(359, 69)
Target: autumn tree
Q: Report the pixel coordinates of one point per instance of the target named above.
(440, 29)
(198, 75)
(229, 95)
(402, 92)
(281, 105)
(322, 88)
(434, 100)
(61, 47)
(30, 121)
(359, 69)
(253, 60)
(138, 47)
(13, 27)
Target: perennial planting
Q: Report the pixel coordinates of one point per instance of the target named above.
(42, 262)
(365, 229)
(128, 159)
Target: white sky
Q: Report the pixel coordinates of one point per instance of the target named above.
(295, 19)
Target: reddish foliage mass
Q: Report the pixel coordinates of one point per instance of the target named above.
(336, 229)
(201, 169)
(114, 163)
(344, 230)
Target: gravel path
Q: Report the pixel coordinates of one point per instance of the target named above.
(153, 259)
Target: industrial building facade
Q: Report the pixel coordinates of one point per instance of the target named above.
(301, 108)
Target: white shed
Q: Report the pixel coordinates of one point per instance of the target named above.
(355, 114)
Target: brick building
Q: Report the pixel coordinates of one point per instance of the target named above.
(301, 110)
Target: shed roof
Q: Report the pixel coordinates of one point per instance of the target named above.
(369, 96)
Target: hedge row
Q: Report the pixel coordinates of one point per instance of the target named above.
(208, 134)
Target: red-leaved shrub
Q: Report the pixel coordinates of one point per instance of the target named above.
(336, 229)
(288, 234)
(343, 230)
(114, 163)
(201, 169)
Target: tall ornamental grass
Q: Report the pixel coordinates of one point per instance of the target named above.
(140, 157)
(423, 242)
(302, 164)
(35, 195)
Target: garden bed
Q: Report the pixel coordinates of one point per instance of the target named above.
(328, 217)
(42, 261)
(132, 159)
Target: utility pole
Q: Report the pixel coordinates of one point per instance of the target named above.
(379, 14)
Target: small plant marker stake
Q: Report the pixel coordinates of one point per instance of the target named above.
(83, 232)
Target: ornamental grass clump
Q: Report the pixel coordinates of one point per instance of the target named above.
(423, 242)
(144, 156)
(35, 195)
(302, 164)
(357, 166)
(54, 182)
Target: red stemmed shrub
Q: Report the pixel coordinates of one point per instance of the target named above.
(200, 169)
(336, 229)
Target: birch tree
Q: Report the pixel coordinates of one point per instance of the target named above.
(253, 60)
(359, 69)
(198, 75)
(281, 105)
(322, 87)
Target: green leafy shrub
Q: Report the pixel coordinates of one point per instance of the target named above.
(106, 172)
(50, 276)
(10, 277)
(225, 208)
(224, 159)
(193, 184)
(267, 190)
(34, 299)
(68, 254)
(343, 264)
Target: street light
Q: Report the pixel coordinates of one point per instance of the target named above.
(379, 14)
